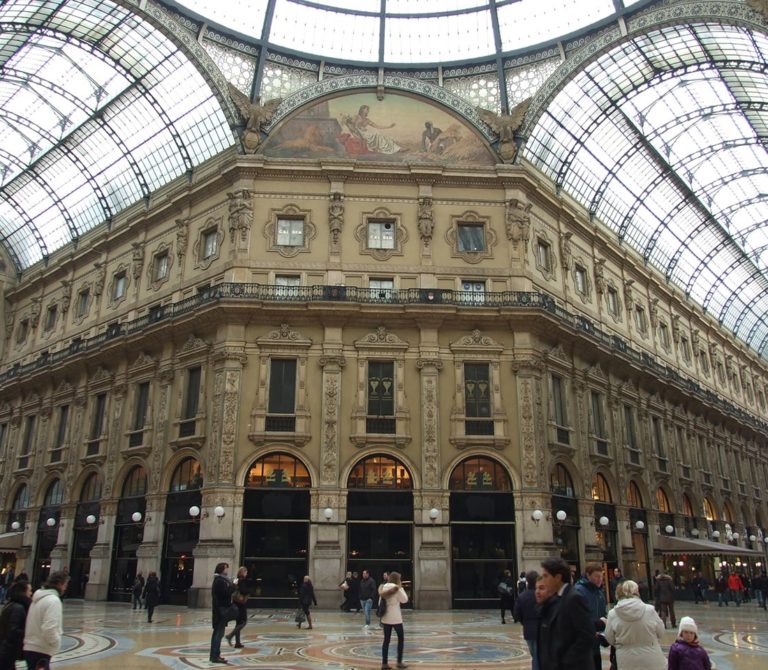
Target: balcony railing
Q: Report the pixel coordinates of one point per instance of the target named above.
(381, 425)
(525, 300)
(478, 427)
(280, 424)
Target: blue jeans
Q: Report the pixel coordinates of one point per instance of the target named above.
(722, 597)
(760, 598)
(534, 655)
(735, 596)
(216, 638)
(136, 602)
(367, 607)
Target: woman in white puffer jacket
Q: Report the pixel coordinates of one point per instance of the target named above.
(635, 630)
(394, 595)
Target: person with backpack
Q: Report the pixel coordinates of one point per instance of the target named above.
(393, 595)
(151, 594)
(507, 590)
(12, 624)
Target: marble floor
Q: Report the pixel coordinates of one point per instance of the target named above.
(101, 636)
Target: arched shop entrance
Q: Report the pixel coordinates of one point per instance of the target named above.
(182, 531)
(16, 523)
(47, 531)
(380, 519)
(86, 531)
(638, 570)
(565, 515)
(276, 514)
(606, 527)
(129, 532)
(482, 531)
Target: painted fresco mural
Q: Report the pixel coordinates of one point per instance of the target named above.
(359, 126)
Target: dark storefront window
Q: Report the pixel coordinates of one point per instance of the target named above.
(129, 533)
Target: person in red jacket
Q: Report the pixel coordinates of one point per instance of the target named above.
(735, 587)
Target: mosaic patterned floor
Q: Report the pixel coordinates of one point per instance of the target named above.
(102, 635)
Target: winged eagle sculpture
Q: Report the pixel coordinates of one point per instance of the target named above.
(254, 115)
(505, 126)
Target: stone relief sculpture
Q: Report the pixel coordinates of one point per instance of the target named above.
(566, 251)
(336, 217)
(101, 277)
(138, 258)
(518, 221)
(600, 284)
(255, 116)
(629, 296)
(240, 214)
(182, 237)
(505, 126)
(426, 220)
(66, 296)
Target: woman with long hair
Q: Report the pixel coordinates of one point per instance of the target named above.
(393, 594)
(240, 600)
(306, 598)
(151, 594)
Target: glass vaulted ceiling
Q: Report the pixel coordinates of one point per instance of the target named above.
(97, 110)
(663, 139)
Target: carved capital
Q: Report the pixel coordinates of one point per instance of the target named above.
(434, 363)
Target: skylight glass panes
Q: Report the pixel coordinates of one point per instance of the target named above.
(424, 7)
(335, 34)
(528, 22)
(242, 16)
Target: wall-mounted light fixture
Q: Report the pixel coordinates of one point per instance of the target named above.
(50, 522)
(219, 512)
(603, 520)
(90, 519)
(433, 514)
(136, 517)
(639, 524)
(715, 534)
(561, 515)
(328, 513)
(194, 511)
(736, 536)
(752, 538)
(15, 525)
(669, 529)
(695, 532)
(537, 515)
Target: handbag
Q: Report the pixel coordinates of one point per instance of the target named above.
(344, 586)
(239, 598)
(230, 613)
(299, 617)
(381, 608)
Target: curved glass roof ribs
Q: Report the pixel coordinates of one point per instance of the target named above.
(663, 139)
(97, 109)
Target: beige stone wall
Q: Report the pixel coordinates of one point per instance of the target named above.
(233, 338)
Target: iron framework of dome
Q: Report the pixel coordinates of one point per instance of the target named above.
(650, 114)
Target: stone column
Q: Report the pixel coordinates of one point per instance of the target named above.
(149, 552)
(432, 541)
(60, 552)
(101, 554)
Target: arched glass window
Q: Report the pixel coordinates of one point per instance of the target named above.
(634, 497)
(278, 470)
(188, 476)
(21, 501)
(687, 507)
(709, 510)
(379, 472)
(600, 489)
(728, 513)
(560, 482)
(55, 494)
(662, 501)
(135, 483)
(480, 474)
(91, 489)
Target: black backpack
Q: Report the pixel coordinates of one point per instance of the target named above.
(381, 608)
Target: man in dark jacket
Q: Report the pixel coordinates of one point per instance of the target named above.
(367, 594)
(526, 613)
(760, 584)
(12, 622)
(590, 587)
(665, 594)
(566, 633)
(221, 598)
(507, 590)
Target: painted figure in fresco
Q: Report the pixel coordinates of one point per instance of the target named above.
(366, 130)
(429, 138)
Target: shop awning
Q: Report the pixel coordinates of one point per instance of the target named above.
(686, 545)
(10, 540)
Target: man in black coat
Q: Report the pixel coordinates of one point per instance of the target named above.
(12, 624)
(526, 612)
(221, 599)
(566, 632)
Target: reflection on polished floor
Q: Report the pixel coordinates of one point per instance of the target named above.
(104, 635)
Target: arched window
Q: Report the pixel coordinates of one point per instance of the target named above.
(709, 510)
(278, 470)
(379, 472)
(55, 494)
(634, 497)
(687, 506)
(187, 476)
(480, 474)
(21, 501)
(91, 491)
(135, 483)
(662, 501)
(560, 482)
(600, 489)
(728, 513)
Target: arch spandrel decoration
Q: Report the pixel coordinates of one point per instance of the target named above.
(397, 128)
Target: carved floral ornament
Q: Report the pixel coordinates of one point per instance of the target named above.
(476, 340)
(193, 346)
(381, 338)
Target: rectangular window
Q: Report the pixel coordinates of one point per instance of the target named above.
(640, 321)
(704, 361)
(21, 334)
(290, 232)
(477, 399)
(560, 409)
(581, 279)
(664, 335)
(598, 423)
(82, 302)
(657, 436)
(50, 317)
(187, 425)
(381, 288)
(3, 435)
(381, 234)
(119, 286)
(142, 404)
(685, 349)
(210, 244)
(161, 266)
(97, 425)
(471, 237)
(281, 408)
(543, 255)
(288, 286)
(381, 397)
(27, 441)
(61, 431)
(473, 292)
(613, 301)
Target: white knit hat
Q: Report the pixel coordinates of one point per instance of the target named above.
(687, 623)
